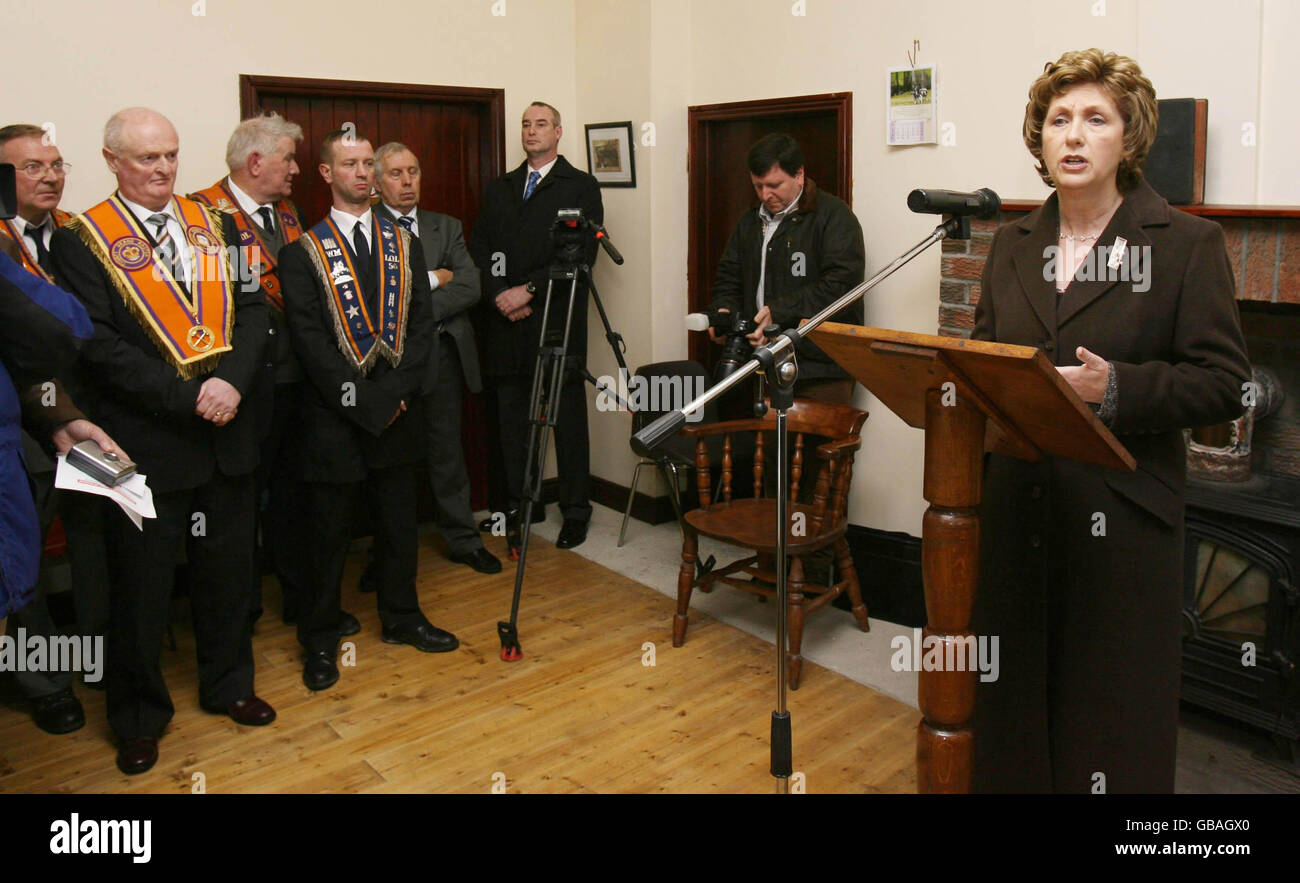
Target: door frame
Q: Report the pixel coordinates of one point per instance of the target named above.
(697, 170)
(252, 88)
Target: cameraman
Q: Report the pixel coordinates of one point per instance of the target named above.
(790, 259)
(513, 251)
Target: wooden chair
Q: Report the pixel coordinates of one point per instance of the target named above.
(751, 523)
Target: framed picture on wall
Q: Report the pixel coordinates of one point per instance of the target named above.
(609, 154)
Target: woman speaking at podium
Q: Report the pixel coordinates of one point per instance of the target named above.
(1082, 566)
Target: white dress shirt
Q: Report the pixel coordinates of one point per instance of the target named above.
(249, 206)
(543, 171)
(770, 223)
(21, 225)
(184, 253)
(345, 222)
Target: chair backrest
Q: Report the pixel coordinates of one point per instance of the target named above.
(841, 425)
(661, 387)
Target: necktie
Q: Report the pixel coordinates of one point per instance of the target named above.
(268, 220)
(533, 177)
(365, 270)
(408, 222)
(166, 248)
(37, 235)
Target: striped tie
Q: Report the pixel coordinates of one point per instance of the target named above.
(408, 222)
(533, 177)
(268, 220)
(166, 248)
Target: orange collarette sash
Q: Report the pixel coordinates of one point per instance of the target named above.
(260, 258)
(191, 329)
(9, 230)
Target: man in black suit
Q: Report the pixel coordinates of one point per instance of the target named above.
(172, 389)
(360, 314)
(512, 247)
(454, 359)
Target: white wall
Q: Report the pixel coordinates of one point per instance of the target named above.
(647, 60)
(94, 58)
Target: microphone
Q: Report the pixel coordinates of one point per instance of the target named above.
(980, 204)
(603, 238)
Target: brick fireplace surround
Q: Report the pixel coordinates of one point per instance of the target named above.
(1264, 247)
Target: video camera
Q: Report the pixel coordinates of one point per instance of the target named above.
(572, 233)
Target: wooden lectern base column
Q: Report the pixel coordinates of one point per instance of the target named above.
(950, 535)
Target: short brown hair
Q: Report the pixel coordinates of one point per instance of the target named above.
(19, 130)
(327, 143)
(1122, 80)
(555, 114)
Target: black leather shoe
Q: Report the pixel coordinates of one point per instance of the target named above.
(320, 670)
(573, 533)
(421, 636)
(480, 559)
(249, 711)
(348, 624)
(512, 518)
(137, 756)
(58, 713)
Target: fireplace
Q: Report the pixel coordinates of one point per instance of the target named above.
(1241, 610)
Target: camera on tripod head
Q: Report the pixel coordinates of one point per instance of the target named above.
(570, 235)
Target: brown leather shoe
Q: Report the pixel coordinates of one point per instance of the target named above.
(137, 756)
(249, 711)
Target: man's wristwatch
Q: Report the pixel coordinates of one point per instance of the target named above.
(531, 287)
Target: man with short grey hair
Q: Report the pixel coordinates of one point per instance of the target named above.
(455, 283)
(261, 157)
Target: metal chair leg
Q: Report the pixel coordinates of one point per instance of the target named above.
(631, 495)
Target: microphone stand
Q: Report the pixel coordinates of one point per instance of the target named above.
(776, 361)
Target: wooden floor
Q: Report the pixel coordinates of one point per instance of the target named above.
(580, 712)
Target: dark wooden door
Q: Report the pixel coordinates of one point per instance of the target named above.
(457, 134)
(720, 188)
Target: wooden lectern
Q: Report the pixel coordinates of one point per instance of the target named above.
(970, 397)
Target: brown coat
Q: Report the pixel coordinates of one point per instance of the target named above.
(1086, 610)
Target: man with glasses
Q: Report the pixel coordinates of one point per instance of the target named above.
(40, 174)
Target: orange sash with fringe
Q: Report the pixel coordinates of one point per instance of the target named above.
(190, 328)
(260, 258)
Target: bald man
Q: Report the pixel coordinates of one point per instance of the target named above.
(180, 335)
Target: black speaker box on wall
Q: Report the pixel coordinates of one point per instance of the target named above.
(1175, 168)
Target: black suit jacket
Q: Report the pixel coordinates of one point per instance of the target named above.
(443, 243)
(339, 437)
(138, 397)
(512, 246)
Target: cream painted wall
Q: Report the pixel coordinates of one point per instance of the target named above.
(95, 58)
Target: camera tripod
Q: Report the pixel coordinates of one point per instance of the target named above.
(548, 376)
